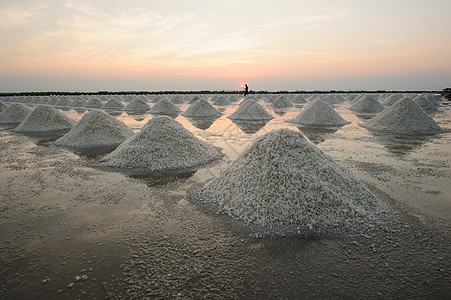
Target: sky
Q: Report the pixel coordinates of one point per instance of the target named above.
(153, 45)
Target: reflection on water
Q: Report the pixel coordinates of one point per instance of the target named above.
(317, 134)
(114, 113)
(280, 112)
(95, 152)
(401, 144)
(250, 127)
(203, 123)
(137, 116)
(365, 117)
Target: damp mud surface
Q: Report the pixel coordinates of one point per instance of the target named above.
(72, 230)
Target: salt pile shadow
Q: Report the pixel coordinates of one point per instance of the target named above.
(202, 123)
(250, 127)
(401, 144)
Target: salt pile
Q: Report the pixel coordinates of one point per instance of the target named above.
(319, 113)
(78, 102)
(335, 99)
(280, 102)
(45, 118)
(2, 106)
(177, 99)
(162, 144)
(283, 179)
(390, 100)
(221, 101)
(202, 109)
(14, 113)
(298, 100)
(44, 100)
(424, 103)
(94, 103)
(137, 104)
(53, 100)
(156, 99)
(405, 116)
(63, 101)
(35, 100)
(194, 99)
(96, 129)
(113, 104)
(250, 110)
(368, 104)
(165, 107)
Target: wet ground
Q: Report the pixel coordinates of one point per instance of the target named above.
(69, 229)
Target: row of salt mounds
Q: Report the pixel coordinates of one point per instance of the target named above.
(221, 101)
(14, 113)
(319, 113)
(165, 107)
(137, 104)
(202, 109)
(45, 118)
(250, 110)
(96, 129)
(279, 102)
(162, 144)
(113, 104)
(94, 103)
(3, 106)
(367, 104)
(283, 179)
(425, 103)
(405, 116)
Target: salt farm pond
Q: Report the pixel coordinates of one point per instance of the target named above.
(73, 229)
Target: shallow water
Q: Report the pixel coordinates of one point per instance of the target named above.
(137, 236)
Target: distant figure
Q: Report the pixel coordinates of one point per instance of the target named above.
(246, 90)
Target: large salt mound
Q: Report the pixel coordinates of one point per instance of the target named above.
(368, 104)
(298, 100)
(283, 179)
(113, 104)
(165, 107)
(162, 144)
(96, 129)
(405, 116)
(94, 103)
(137, 104)
(2, 106)
(45, 118)
(221, 101)
(14, 113)
(202, 109)
(250, 110)
(319, 113)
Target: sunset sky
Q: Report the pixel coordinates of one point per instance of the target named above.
(91, 45)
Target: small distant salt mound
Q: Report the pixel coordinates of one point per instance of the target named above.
(280, 102)
(202, 109)
(177, 99)
(53, 100)
(63, 101)
(405, 116)
(44, 100)
(137, 104)
(221, 101)
(283, 179)
(45, 118)
(128, 98)
(35, 100)
(156, 99)
(3, 106)
(94, 103)
(78, 102)
(113, 104)
(367, 104)
(425, 103)
(162, 144)
(165, 107)
(390, 100)
(194, 99)
(298, 100)
(96, 129)
(335, 99)
(319, 113)
(250, 110)
(14, 113)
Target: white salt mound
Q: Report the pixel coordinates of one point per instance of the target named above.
(137, 104)
(284, 179)
(367, 103)
(177, 99)
(45, 118)
(280, 102)
(3, 106)
(162, 144)
(113, 104)
(390, 100)
(425, 103)
(250, 110)
(96, 129)
(78, 102)
(194, 99)
(202, 109)
(221, 101)
(298, 99)
(165, 107)
(14, 113)
(319, 113)
(94, 103)
(405, 116)
(63, 101)
(53, 100)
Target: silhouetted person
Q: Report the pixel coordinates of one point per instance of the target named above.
(246, 90)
